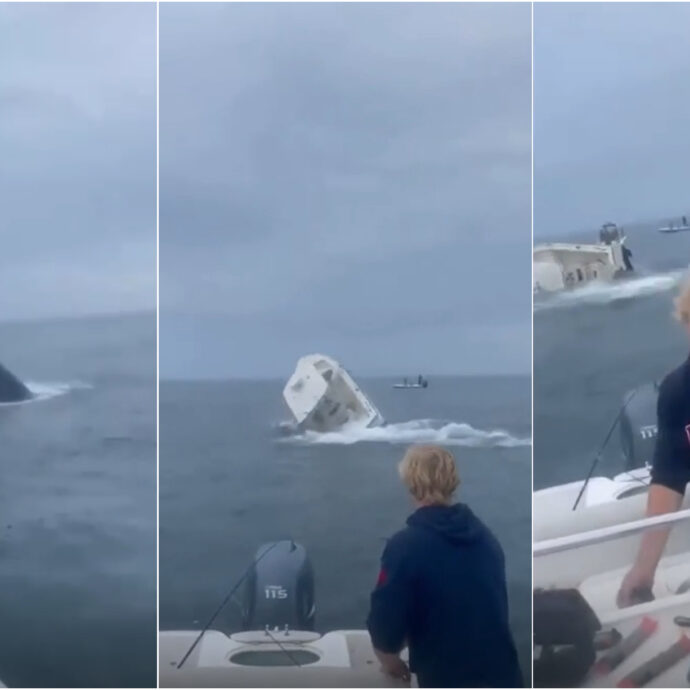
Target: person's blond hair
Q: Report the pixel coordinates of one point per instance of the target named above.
(682, 303)
(429, 473)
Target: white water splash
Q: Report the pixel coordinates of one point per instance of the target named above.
(606, 293)
(415, 431)
(47, 390)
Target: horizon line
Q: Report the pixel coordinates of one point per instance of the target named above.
(230, 378)
(79, 317)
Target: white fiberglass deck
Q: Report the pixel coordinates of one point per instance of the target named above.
(343, 658)
(596, 561)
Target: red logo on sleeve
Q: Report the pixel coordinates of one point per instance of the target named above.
(383, 575)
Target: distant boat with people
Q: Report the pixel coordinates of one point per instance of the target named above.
(419, 382)
(673, 228)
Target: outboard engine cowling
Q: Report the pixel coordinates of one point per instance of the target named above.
(638, 426)
(280, 589)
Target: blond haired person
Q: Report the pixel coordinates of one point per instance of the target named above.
(441, 590)
(670, 467)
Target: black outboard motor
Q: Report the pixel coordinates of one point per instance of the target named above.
(638, 426)
(279, 591)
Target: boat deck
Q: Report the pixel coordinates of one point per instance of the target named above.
(348, 661)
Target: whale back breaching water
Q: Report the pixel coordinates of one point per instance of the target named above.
(11, 388)
(78, 488)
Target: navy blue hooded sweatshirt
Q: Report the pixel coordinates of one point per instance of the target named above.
(442, 591)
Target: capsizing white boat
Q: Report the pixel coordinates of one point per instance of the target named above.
(277, 646)
(323, 396)
(560, 266)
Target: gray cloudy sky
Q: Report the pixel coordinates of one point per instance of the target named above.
(611, 113)
(346, 178)
(77, 158)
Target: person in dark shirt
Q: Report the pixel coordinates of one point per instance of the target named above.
(670, 468)
(441, 590)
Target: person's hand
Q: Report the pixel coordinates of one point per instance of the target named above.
(396, 667)
(637, 580)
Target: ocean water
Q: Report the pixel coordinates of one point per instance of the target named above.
(78, 504)
(592, 346)
(230, 482)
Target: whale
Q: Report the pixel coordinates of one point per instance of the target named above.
(11, 388)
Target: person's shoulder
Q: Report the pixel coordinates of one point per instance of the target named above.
(487, 536)
(406, 541)
(674, 386)
(403, 537)
(675, 382)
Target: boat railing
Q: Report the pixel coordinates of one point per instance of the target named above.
(609, 533)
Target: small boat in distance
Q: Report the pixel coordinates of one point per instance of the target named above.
(421, 382)
(673, 228)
